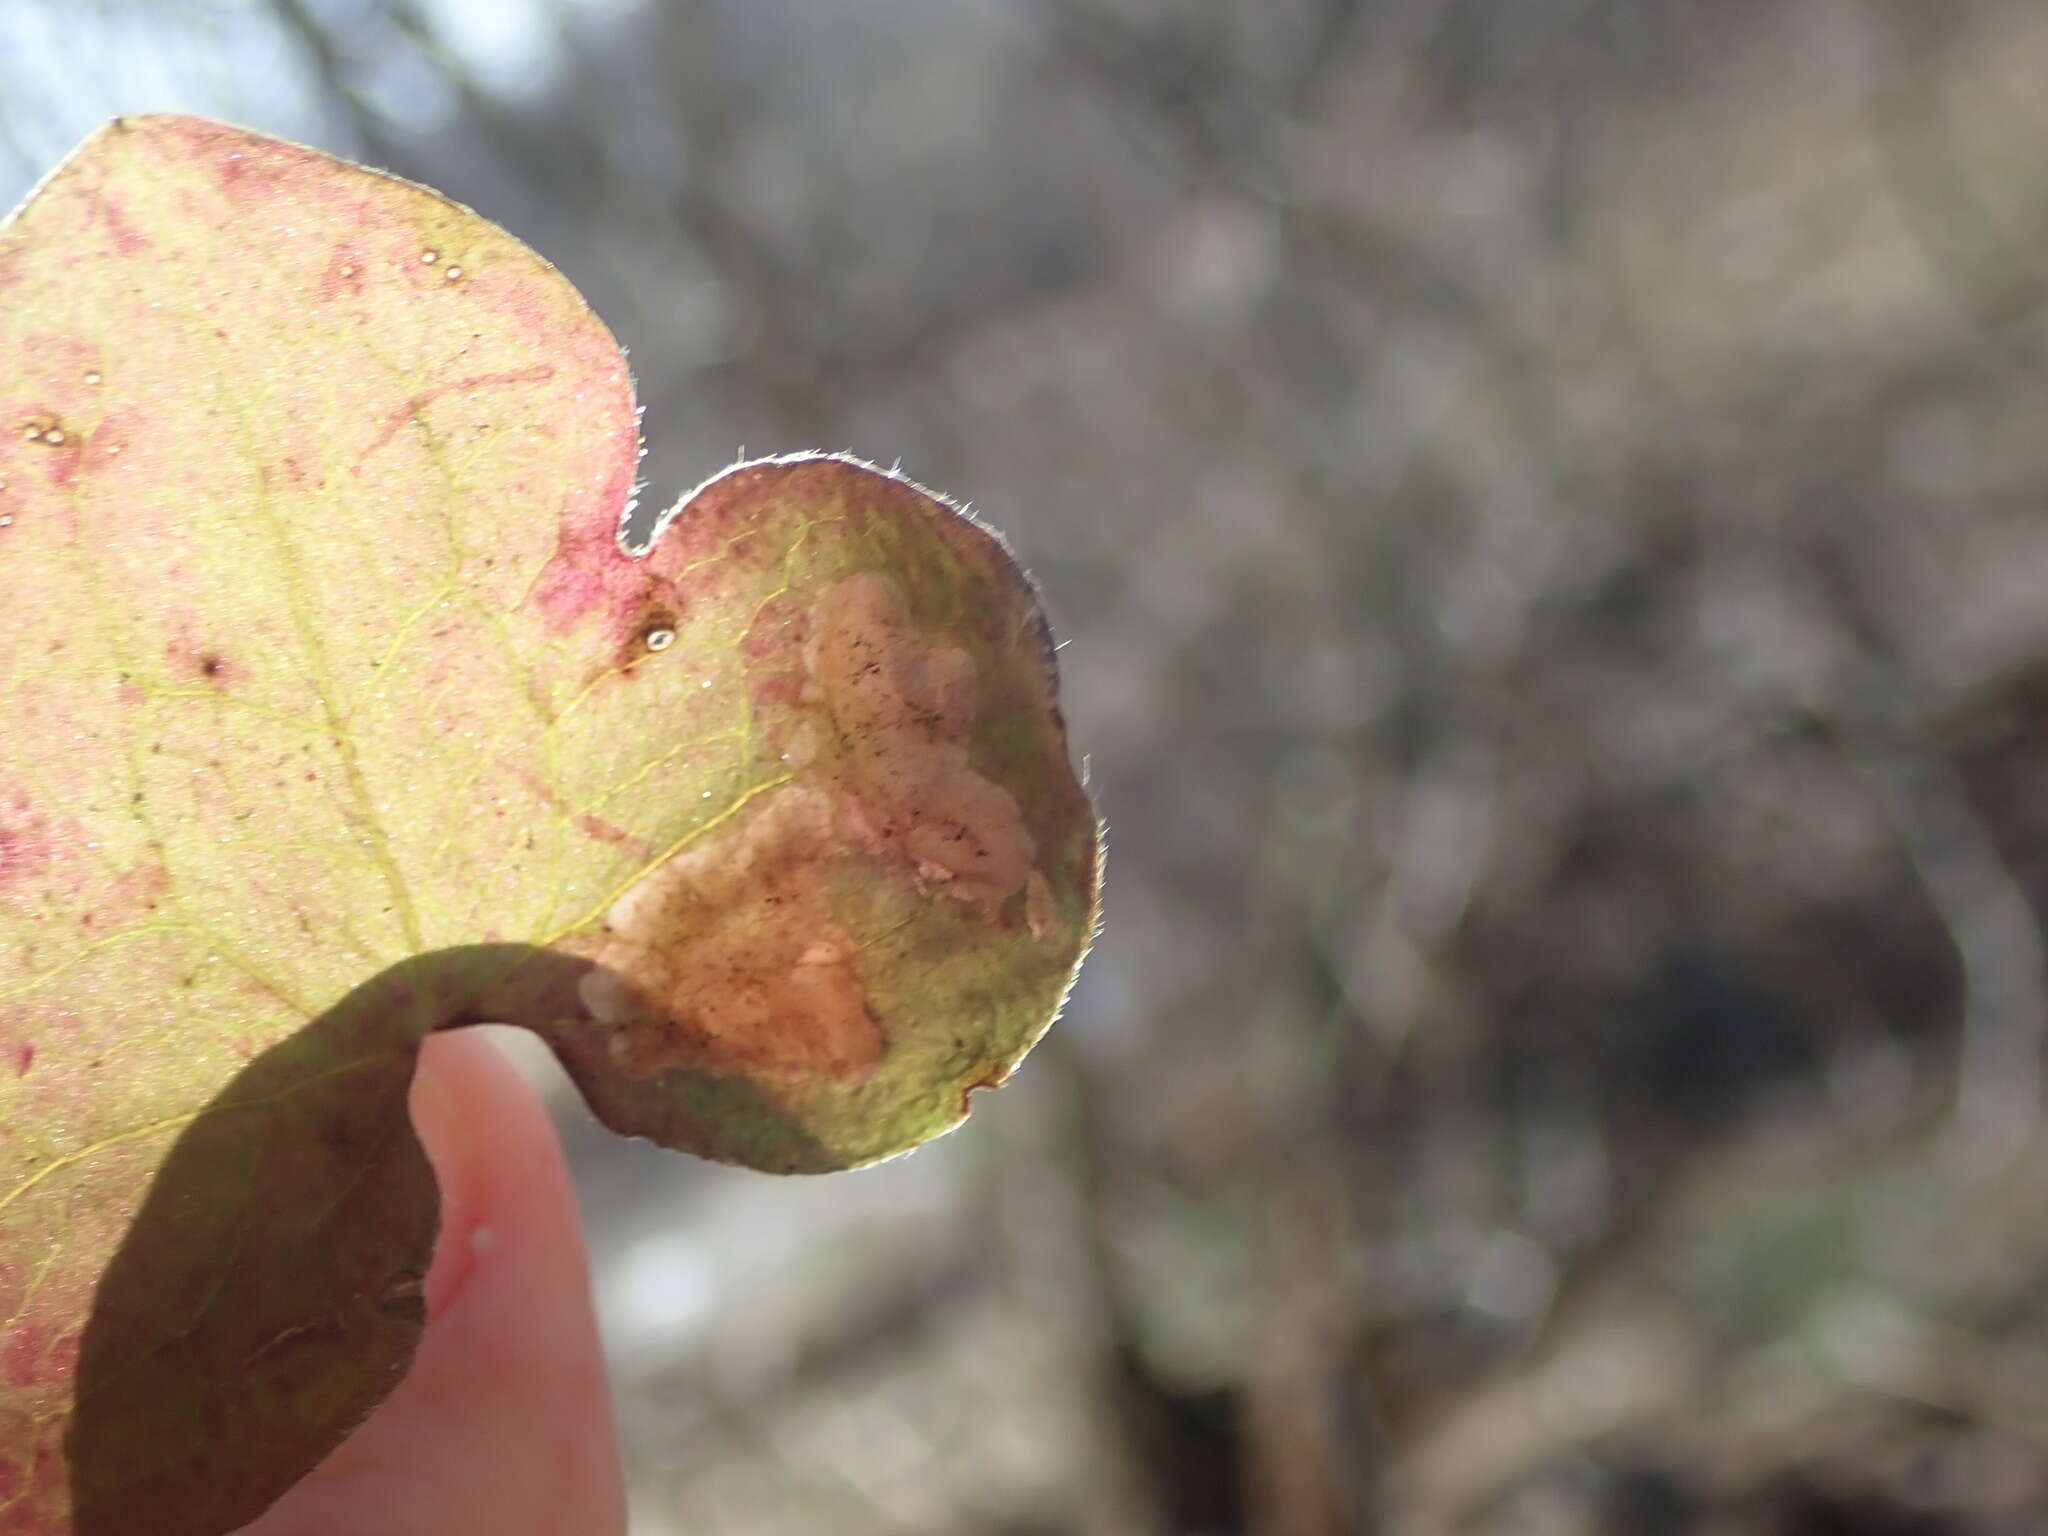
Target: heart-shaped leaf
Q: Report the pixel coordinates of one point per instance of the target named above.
(333, 712)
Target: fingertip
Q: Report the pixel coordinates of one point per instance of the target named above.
(503, 1180)
(441, 1084)
(515, 1338)
(504, 1422)
(506, 1190)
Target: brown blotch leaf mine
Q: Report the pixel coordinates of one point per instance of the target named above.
(734, 942)
(727, 957)
(899, 710)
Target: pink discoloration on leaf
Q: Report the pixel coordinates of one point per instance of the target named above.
(18, 1352)
(291, 474)
(124, 239)
(66, 368)
(32, 1353)
(31, 1485)
(24, 1057)
(249, 172)
(412, 409)
(618, 837)
(54, 442)
(345, 274)
(588, 579)
(134, 895)
(106, 444)
(778, 627)
(27, 842)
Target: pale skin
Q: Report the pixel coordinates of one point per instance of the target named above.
(503, 1426)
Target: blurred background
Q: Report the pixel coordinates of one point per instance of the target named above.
(1544, 500)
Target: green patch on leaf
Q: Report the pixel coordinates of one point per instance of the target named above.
(332, 712)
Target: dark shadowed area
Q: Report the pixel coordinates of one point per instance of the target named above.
(1546, 509)
(306, 1150)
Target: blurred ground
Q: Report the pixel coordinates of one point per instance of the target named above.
(1545, 503)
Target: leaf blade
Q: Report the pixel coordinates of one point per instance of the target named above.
(327, 665)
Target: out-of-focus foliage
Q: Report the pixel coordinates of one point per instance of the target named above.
(1547, 506)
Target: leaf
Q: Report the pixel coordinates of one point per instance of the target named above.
(335, 713)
